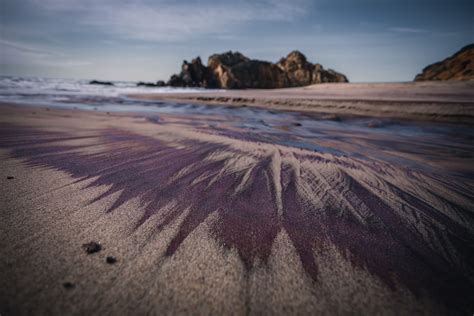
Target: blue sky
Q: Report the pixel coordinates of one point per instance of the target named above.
(368, 40)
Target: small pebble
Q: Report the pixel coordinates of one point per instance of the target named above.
(92, 247)
(10, 177)
(69, 285)
(111, 260)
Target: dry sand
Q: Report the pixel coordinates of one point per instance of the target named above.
(434, 101)
(207, 222)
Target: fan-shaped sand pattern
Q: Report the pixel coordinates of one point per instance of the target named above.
(405, 226)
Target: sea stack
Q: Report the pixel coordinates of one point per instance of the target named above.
(233, 70)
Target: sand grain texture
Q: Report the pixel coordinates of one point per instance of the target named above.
(423, 101)
(211, 220)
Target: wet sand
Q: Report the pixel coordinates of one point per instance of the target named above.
(208, 215)
(424, 101)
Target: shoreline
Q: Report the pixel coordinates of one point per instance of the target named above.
(434, 101)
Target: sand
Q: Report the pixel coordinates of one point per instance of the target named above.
(206, 218)
(433, 101)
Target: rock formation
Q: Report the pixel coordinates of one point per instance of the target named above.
(460, 66)
(300, 72)
(193, 74)
(159, 83)
(233, 70)
(103, 83)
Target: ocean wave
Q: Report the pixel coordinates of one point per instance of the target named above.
(40, 90)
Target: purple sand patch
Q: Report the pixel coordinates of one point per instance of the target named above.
(248, 220)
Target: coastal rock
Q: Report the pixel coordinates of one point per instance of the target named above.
(146, 84)
(459, 67)
(176, 81)
(300, 72)
(233, 70)
(193, 74)
(332, 76)
(159, 83)
(103, 83)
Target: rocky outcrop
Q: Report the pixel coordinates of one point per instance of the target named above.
(300, 72)
(459, 67)
(159, 83)
(103, 83)
(193, 74)
(233, 70)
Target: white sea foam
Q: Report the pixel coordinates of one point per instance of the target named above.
(10, 86)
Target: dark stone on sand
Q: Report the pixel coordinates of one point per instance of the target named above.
(233, 70)
(10, 177)
(104, 83)
(69, 285)
(92, 247)
(111, 260)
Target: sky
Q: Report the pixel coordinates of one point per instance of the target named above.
(367, 40)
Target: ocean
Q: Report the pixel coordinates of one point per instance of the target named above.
(79, 93)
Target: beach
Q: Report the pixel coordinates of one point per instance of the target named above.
(433, 101)
(240, 210)
(243, 157)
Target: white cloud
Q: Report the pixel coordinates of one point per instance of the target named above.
(407, 30)
(18, 50)
(171, 21)
(18, 53)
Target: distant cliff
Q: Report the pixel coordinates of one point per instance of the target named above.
(460, 66)
(233, 70)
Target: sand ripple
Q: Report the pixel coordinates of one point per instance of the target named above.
(404, 225)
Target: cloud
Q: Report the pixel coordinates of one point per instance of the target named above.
(407, 30)
(18, 53)
(20, 50)
(171, 21)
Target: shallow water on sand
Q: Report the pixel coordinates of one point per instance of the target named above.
(394, 198)
(418, 145)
